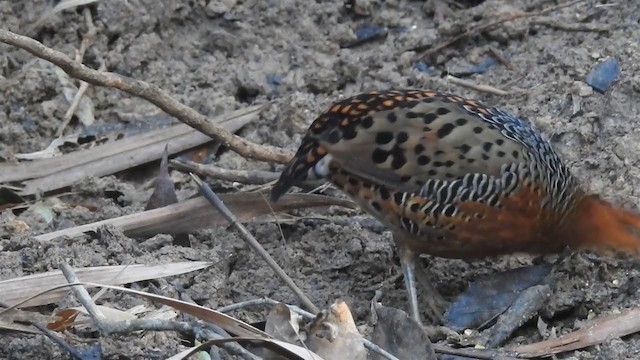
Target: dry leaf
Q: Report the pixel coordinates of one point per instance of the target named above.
(84, 112)
(282, 324)
(164, 194)
(109, 312)
(224, 321)
(55, 173)
(196, 214)
(164, 313)
(400, 335)
(66, 319)
(62, 5)
(20, 289)
(50, 151)
(333, 334)
(492, 295)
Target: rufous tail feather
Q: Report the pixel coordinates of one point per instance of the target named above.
(598, 225)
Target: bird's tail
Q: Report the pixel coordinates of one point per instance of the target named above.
(600, 226)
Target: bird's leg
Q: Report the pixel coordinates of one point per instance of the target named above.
(437, 304)
(408, 263)
(413, 271)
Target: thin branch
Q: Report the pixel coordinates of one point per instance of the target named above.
(151, 93)
(469, 84)
(513, 82)
(482, 354)
(252, 177)
(493, 25)
(61, 343)
(87, 40)
(498, 55)
(251, 241)
(84, 86)
(90, 37)
(573, 27)
(85, 299)
(264, 302)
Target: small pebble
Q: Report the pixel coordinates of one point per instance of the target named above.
(485, 65)
(582, 89)
(368, 31)
(274, 80)
(422, 67)
(604, 75)
(480, 68)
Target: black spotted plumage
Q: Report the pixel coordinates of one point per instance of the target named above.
(466, 153)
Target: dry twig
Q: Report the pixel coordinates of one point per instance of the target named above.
(252, 177)
(498, 55)
(481, 354)
(84, 86)
(251, 241)
(599, 331)
(493, 25)
(151, 93)
(573, 27)
(264, 302)
(484, 88)
(87, 40)
(60, 342)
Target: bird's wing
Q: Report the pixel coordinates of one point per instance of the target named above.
(404, 139)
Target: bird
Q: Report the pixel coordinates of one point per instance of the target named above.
(454, 178)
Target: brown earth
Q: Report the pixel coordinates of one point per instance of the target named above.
(218, 56)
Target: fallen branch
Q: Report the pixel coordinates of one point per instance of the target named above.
(151, 93)
(195, 214)
(598, 332)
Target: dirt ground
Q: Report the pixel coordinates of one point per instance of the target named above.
(218, 56)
